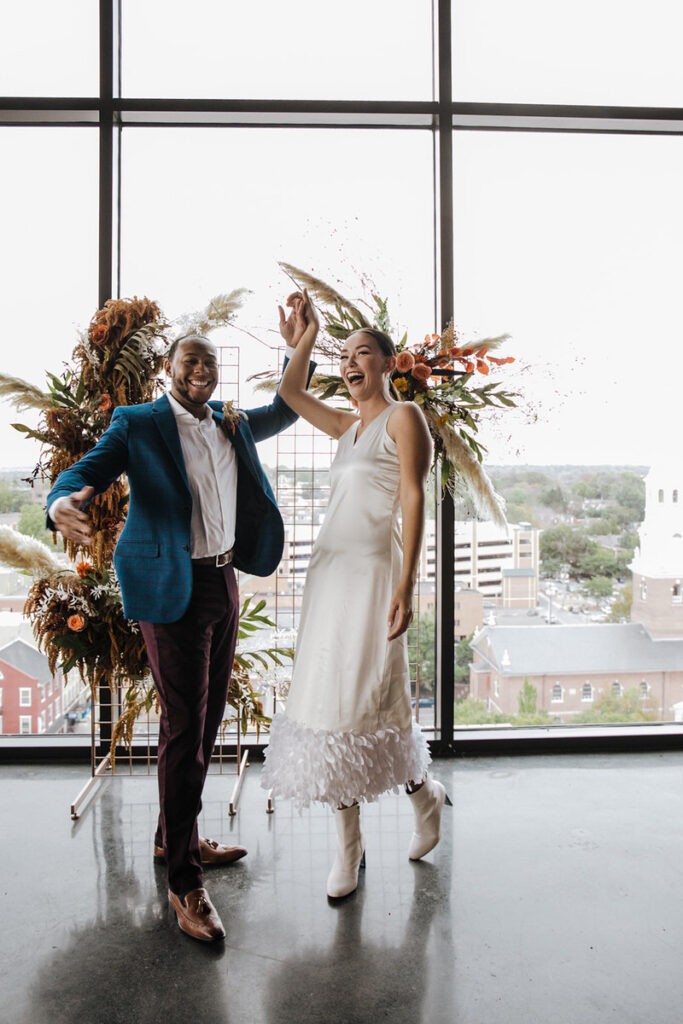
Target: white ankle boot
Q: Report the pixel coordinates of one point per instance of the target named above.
(428, 803)
(343, 878)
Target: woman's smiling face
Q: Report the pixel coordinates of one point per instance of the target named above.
(363, 366)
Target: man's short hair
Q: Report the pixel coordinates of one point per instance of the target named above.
(185, 337)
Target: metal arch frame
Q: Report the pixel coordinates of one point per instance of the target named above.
(109, 113)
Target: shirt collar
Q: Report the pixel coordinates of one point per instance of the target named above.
(182, 414)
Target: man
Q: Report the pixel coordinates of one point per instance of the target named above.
(200, 506)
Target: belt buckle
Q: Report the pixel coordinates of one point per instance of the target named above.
(223, 559)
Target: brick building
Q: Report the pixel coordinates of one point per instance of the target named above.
(572, 665)
(32, 700)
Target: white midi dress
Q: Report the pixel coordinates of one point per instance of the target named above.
(347, 732)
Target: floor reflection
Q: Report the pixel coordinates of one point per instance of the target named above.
(358, 979)
(130, 964)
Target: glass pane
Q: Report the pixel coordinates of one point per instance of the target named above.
(344, 205)
(49, 273)
(572, 244)
(49, 49)
(302, 50)
(329, 202)
(593, 53)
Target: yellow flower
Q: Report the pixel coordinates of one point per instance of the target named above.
(442, 420)
(401, 384)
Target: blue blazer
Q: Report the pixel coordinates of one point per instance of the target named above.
(152, 558)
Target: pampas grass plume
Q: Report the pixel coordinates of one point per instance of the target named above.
(21, 552)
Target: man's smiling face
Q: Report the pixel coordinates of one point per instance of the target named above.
(193, 372)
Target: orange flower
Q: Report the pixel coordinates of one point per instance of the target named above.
(481, 353)
(510, 359)
(482, 366)
(469, 367)
(404, 362)
(105, 403)
(76, 623)
(455, 351)
(100, 334)
(421, 372)
(467, 351)
(496, 360)
(83, 568)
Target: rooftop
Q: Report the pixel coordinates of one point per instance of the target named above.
(578, 649)
(26, 658)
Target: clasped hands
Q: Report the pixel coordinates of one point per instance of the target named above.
(302, 324)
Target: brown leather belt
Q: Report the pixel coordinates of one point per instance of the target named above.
(225, 558)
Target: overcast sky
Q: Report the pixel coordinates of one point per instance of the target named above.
(570, 243)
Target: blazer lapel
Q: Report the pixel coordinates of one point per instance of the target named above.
(164, 420)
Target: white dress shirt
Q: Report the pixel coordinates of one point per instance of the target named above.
(211, 467)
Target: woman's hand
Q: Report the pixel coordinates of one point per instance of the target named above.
(293, 327)
(310, 314)
(302, 322)
(400, 611)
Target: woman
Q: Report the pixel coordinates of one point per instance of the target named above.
(347, 733)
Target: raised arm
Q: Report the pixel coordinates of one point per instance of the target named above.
(408, 428)
(303, 325)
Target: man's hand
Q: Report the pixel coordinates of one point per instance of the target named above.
(70, 521)
(302, 322)
(292, 327)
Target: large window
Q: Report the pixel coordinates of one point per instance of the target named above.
(302, 50)
(514, 167)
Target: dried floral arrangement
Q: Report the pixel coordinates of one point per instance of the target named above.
(78, 614)
(439, 374)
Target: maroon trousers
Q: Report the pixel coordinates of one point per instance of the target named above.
(191, 661)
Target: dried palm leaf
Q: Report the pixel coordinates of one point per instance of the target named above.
(130, 359)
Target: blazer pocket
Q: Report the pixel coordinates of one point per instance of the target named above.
(137, 549)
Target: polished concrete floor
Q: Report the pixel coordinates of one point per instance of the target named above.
(555, 897)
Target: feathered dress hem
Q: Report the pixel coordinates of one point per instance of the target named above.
(307, 765)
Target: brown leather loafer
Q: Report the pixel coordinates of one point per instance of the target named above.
(210, 852)
(197, 915)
